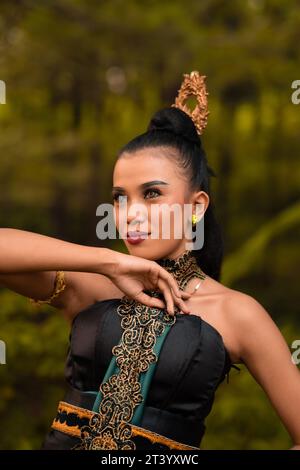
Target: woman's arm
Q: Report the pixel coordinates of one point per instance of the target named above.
(30, 260)
(265, 353)
(82, 289)
(24, 251)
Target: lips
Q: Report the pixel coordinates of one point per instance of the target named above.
(137, 235)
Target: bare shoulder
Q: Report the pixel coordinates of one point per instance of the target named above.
(237, 305)
(251, 323)
(233, 313)
(243, 309)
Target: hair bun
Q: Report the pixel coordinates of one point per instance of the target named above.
(176, 121)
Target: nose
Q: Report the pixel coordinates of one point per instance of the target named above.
(135, 219)
(136, 214)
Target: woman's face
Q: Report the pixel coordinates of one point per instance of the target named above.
(146, 184)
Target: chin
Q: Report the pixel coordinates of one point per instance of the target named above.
(142, 251)
(153, 251)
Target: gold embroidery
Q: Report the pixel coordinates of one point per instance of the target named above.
(157, 438)
(73, 429)
(121, 393)
(183, 269)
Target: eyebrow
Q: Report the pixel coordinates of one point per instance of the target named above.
(143, 185)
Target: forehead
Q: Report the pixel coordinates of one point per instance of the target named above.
(146, 164)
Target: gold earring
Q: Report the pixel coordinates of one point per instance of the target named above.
(194, 219)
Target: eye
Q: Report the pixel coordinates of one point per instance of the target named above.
(116, 197)
(155, 191)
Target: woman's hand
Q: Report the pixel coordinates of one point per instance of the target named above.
(132, 275)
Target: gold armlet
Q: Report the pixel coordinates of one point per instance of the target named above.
(59, 286)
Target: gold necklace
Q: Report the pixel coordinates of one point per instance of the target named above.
(197, 286)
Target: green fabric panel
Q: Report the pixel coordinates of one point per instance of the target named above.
(145, 379)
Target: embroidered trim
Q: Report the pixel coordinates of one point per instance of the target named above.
(183, 268)
(121, 393)
(121, 398)
(69, 420)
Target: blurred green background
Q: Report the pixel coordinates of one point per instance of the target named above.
(83, 77)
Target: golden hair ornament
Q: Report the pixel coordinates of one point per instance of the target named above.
(194, 85)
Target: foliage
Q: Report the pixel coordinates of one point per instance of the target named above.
(82, 78)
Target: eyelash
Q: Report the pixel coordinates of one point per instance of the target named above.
(154, 191)
(116, 195)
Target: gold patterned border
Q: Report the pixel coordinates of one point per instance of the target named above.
(75, 431)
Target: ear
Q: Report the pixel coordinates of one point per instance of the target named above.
(200, 201)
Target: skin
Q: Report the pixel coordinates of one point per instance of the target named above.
(249, 334)
(149, 166)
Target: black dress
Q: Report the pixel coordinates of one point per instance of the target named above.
(192, 363)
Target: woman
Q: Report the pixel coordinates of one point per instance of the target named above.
(143, 367)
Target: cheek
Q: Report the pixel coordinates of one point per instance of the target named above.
(120, 218)
(116, 215)
(167, 220)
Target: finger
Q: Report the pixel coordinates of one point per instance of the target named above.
(158, 303)
(165, 289)
(185, 295)
(184, 308)
(149, 301)
(177, 299)
(171, 282)
(182, 305)
(153, 276)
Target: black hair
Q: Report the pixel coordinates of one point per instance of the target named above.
(172, 127)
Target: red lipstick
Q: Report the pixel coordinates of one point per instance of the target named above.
(136, 237)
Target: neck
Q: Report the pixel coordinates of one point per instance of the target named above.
(183, 268)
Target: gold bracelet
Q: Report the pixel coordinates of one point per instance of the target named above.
(59, 286)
